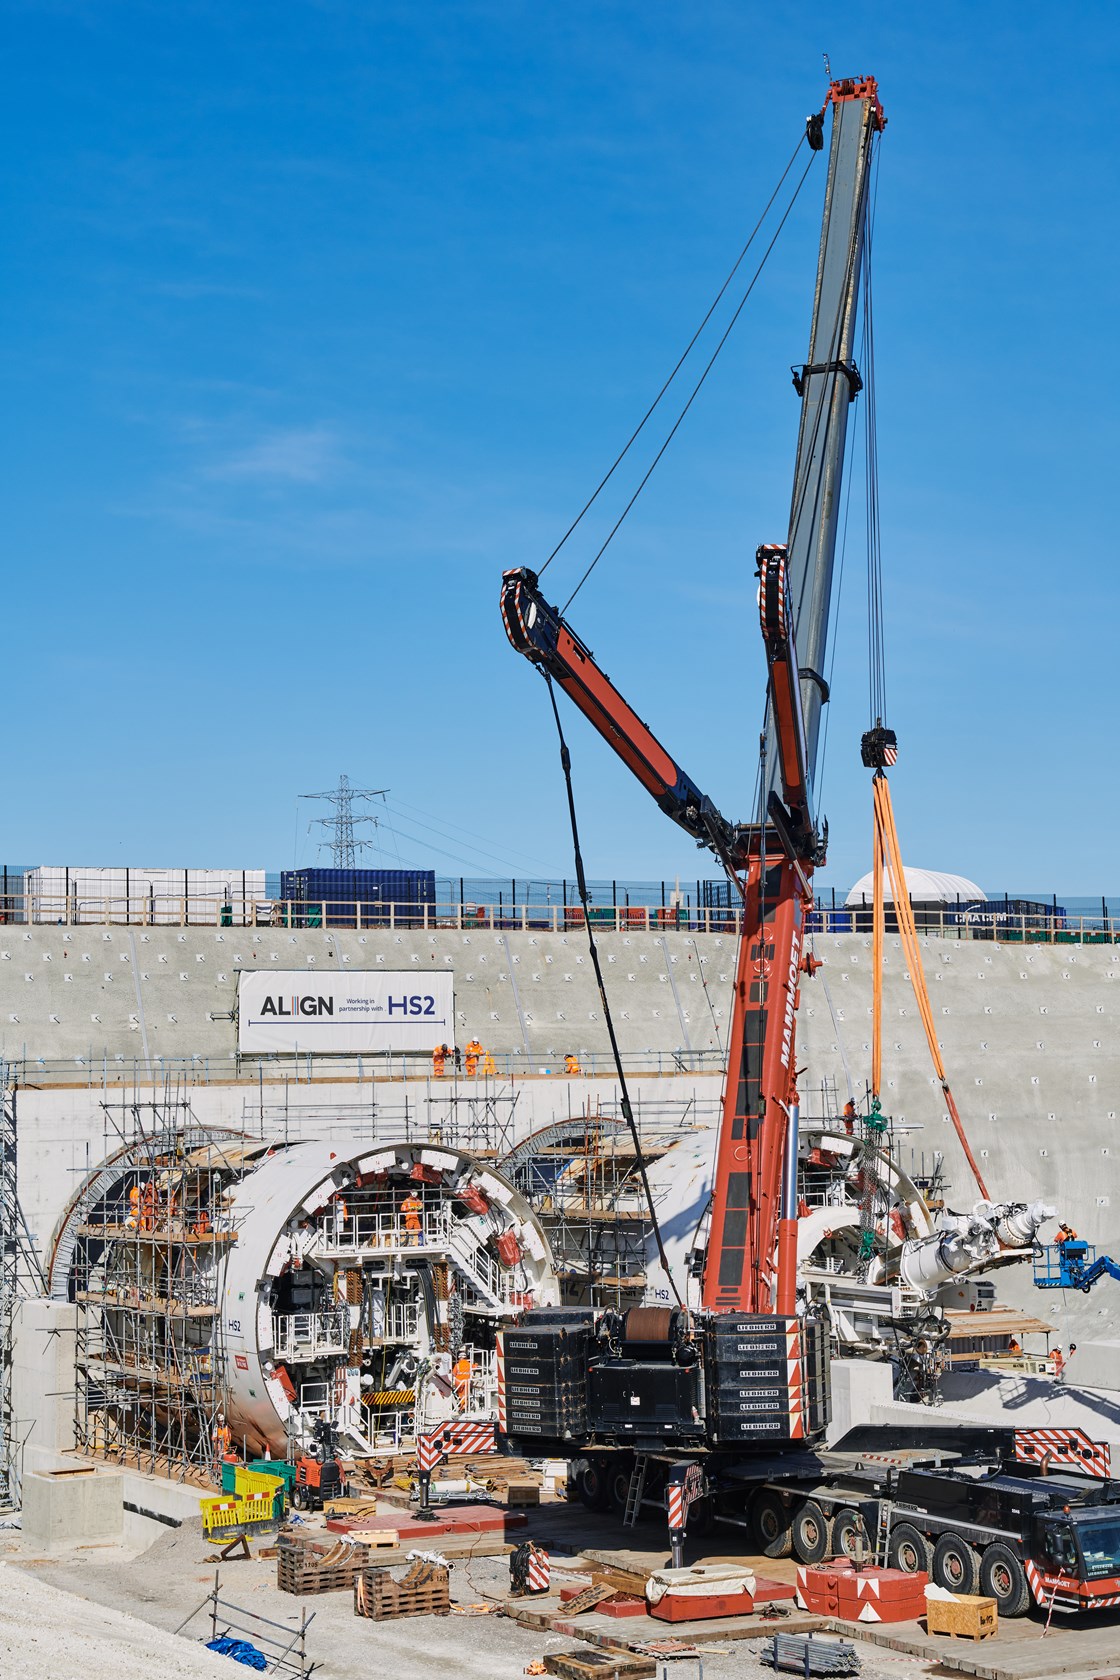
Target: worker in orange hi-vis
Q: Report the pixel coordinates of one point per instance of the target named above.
(571, 1063)
(473, 1052)
(461, 1377)
(221, 1439)
(1066, 1233)
(439, 1060)
(133, 1220)
(412, 1207)
(1058, 1363)
(148, 1203)
(489, 1066)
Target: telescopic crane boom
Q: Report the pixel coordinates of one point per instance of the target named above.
(749, 1266)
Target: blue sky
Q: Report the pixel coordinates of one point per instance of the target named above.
(318, 316)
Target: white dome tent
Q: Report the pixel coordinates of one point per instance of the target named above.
(924, 886)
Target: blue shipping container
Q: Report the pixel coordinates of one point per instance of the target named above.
(344, 891)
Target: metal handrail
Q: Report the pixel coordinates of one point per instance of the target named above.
(308, 1335)
(236, 911)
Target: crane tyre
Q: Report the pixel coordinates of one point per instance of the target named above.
(909, 1550)
(1003, 1578)
(848, 1530)
(592, 1489)
(812, 1533)
(956, 1566)
(618, 1484)
(769, 1517)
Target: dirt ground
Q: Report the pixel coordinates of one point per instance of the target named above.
(98, 1612)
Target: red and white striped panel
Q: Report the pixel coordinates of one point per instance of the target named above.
(500, 1357)
(540, 1570)
(454, 1437)
(682, 1492)
(1096, 1595)
(1071, 1447)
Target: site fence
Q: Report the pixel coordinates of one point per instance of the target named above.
(992, 920)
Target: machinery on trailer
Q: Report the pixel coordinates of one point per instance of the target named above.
(710, 1407)
(993, 1520)
(318, 1476)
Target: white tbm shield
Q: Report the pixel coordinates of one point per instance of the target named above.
(347, 1013)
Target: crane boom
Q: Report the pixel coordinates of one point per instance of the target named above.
(539, 632)
(827, 385)
(750, 1259)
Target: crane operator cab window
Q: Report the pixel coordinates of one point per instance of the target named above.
(1100, 1545)
(1059, 1548)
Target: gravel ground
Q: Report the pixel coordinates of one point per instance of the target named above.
(100, 1613)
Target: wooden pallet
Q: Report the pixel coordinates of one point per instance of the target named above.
(307, 1570)
(598, 1665)
(424, 1591)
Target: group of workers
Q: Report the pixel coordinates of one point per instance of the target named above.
(152, 1207)
(1056, 1358)
(479, 1060)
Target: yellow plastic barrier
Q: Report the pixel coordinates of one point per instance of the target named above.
(246, 1482)
(228, 1519)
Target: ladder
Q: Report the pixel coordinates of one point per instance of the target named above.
(883, 1532)
(635, 1491)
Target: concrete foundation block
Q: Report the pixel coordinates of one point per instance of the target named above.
(72, 1507)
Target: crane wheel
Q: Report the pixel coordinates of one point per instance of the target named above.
(770, 1519)
(909, 1550)
(956, 1566)
(591, 1484)
(618, 1483)
(812, 1533)
(1003, 1578)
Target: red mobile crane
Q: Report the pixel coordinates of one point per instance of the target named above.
(744, 1371)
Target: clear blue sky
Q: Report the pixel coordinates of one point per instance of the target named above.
(318, 316)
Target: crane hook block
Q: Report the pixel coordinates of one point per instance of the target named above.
(878, 748)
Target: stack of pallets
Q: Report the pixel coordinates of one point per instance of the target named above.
(306, 1566)
(424, 1591)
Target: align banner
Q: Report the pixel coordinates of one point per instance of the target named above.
(349, 1014)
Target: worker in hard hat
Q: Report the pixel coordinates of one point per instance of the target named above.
(221, 1438)
(412, 1207)
(489, 1067)
(571, 1063)
(1066, 1233)
(461, 1377)
(473, 1052)
(439, 1060)
(133, 1220)
(1058, 1363)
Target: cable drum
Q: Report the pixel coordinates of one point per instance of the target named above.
(649, 1326)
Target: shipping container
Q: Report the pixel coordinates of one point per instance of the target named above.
(150, 897)
(357, 897)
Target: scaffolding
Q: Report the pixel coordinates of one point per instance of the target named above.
(147, 1270)
(20, 1270)
(581, 1177)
